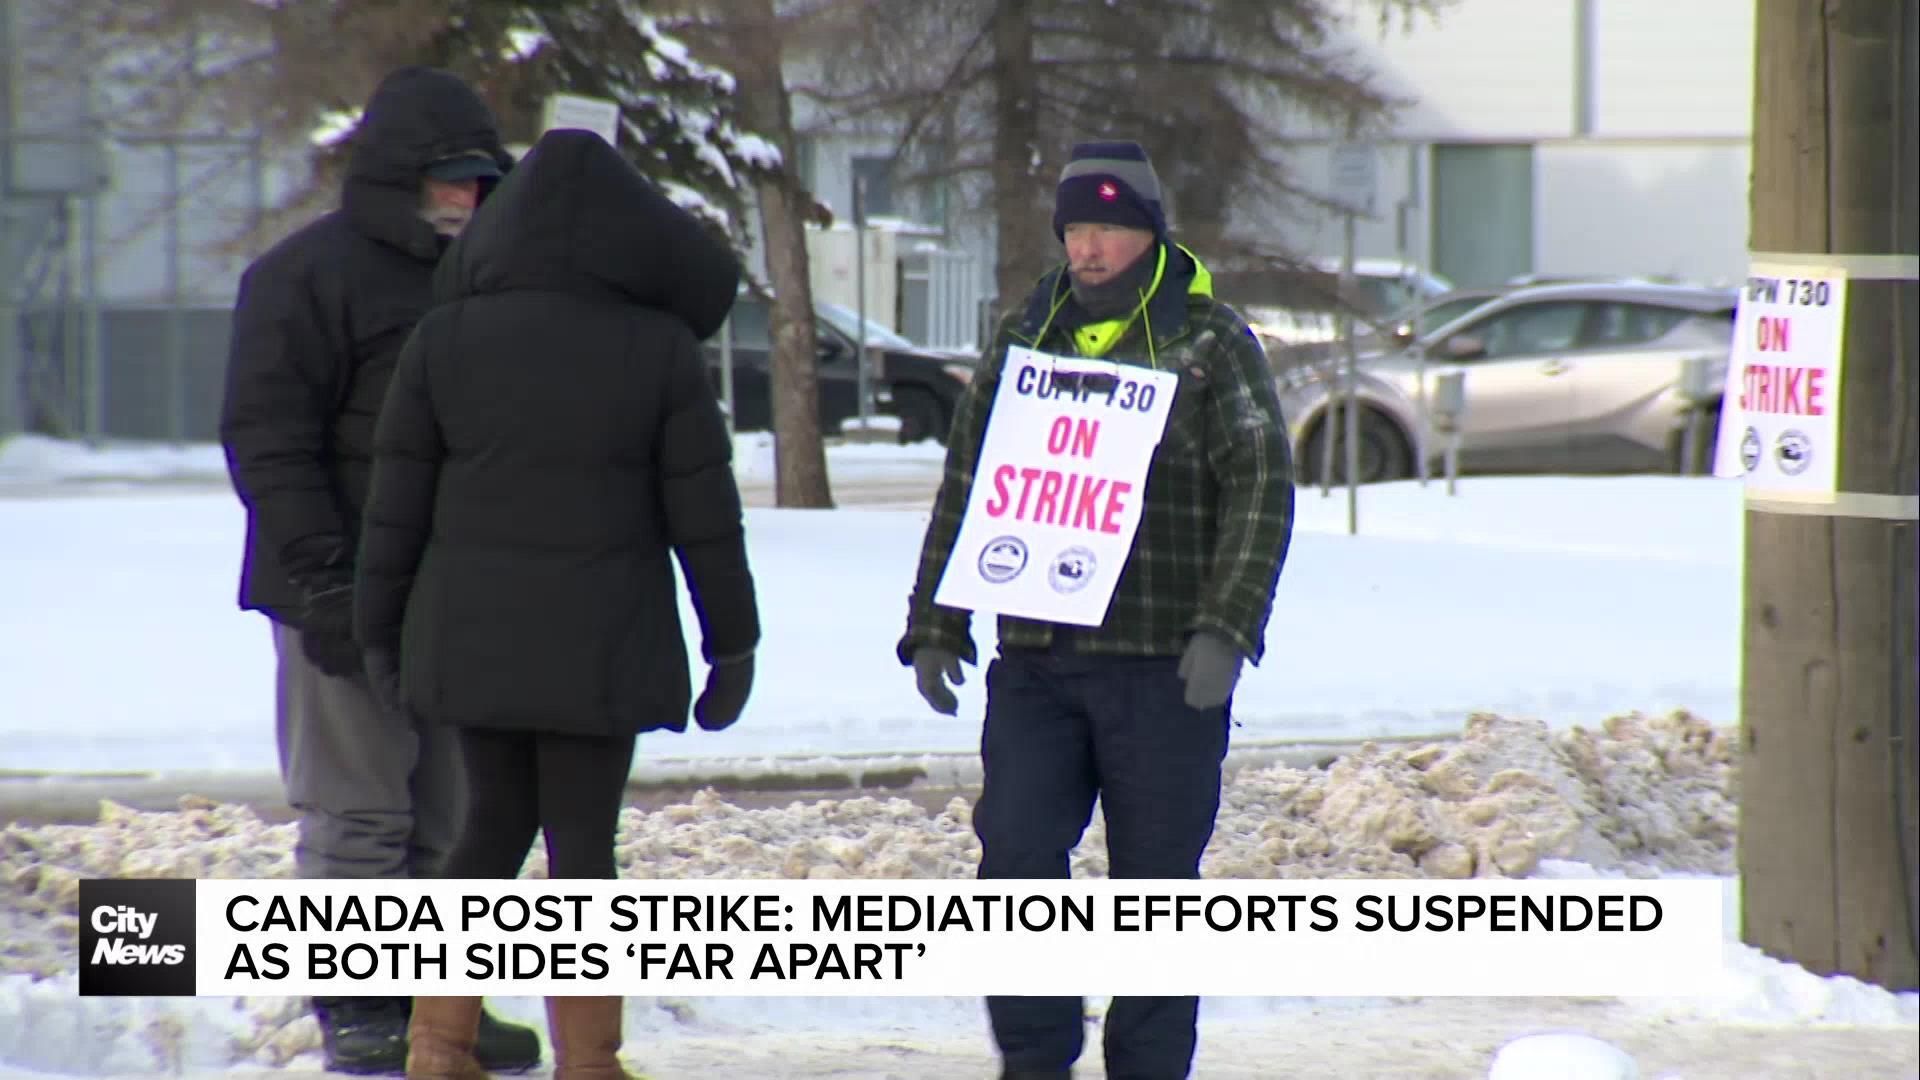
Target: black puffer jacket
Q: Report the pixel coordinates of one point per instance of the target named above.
(320, 319)
(551, 435)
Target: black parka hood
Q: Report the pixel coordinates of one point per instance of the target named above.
(576, 217)
(416, 116)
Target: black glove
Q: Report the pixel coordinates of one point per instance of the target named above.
(932, 670)
(326, 626)
(1210, 667)
(728, 683)
(383, 677)
(321, 567)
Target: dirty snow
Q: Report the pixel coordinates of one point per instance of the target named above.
(1641, 796)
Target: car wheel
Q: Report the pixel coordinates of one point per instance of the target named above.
(921, 416)
(1385, 453)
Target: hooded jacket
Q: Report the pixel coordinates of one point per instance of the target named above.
(551, 436)
(319, 320)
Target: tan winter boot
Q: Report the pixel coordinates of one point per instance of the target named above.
(586, 1038)
(440, 1039)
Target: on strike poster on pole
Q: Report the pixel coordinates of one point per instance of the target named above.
(1780, 417)
(1058, 490)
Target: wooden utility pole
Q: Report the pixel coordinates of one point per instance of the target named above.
(1827, 772)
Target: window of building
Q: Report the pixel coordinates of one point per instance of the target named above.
(875, 176)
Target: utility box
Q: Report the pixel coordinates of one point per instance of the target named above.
(835, 270)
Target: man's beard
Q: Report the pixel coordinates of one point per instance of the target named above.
(1120, 293)
(447, 220)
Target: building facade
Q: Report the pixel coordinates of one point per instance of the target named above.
(1561, 137)
(1542, 137)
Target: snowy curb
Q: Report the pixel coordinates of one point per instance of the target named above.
(77, 796)
(950, 769)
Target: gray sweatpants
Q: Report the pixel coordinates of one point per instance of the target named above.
(376, 796)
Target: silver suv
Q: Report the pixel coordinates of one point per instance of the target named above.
(1558, 378)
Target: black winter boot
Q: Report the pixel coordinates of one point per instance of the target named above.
(362, 1036)
(505, 1048)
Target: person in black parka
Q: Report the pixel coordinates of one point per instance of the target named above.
(550, 443)
(318, 323)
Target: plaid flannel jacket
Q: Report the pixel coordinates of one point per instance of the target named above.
(1218, 510)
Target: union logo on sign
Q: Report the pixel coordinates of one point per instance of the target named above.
(1002, 559)
(1750, 449)
(1072, 569)
(1793, 452)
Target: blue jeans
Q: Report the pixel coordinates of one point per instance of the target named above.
(1061, 730)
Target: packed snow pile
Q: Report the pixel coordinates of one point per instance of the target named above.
(1641, 796)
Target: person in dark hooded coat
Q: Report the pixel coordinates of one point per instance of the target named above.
(551, 443)
(318, 324)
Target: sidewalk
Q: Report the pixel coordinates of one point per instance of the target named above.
(929, 779)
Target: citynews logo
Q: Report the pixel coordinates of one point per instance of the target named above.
(136, 938)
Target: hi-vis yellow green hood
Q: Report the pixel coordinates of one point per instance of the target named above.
(1163, 316)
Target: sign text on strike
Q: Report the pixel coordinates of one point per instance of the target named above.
(1057, 497)
(1777, 388)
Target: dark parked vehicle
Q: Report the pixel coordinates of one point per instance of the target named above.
(918, 385)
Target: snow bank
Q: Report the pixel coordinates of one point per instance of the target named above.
(1641, 796)
(1505, 797)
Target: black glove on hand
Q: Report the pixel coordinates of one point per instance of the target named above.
(932, 670)
(321, 567)
(326, 625)
(1210, 667)
(383, 677)
(728, 683)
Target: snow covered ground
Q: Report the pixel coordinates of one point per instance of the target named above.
(36, 464)
(1566, 600)
(39, 463)
(945, 1039)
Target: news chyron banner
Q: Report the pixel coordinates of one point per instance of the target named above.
(902, 938)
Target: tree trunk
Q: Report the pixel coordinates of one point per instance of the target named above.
(1022, 194)
(800, 460)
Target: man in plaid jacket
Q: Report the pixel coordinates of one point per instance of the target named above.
(1133, 712)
